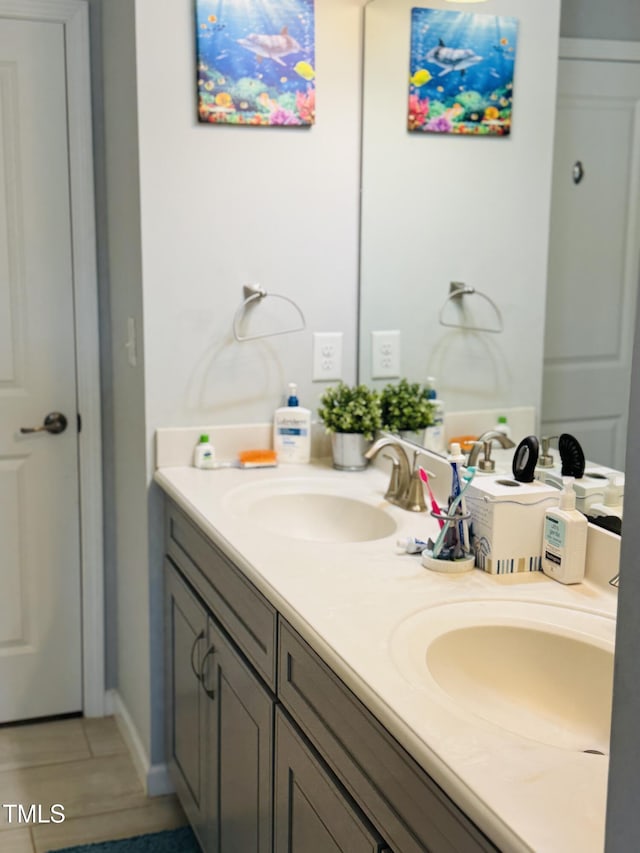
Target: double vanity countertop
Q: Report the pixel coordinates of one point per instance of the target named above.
(362, 604)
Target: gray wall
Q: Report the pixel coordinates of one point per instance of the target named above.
(106, 373)
(623, 815)
(618, 20)
(128, 584)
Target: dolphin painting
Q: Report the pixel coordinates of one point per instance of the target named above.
(452, 58)
(271, 46)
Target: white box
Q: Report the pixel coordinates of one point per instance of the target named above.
(507, 522)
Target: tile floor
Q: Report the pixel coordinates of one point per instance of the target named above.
(85, 766)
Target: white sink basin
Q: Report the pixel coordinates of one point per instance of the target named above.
(314, 512)
(537, 670)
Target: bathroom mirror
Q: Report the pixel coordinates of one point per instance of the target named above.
(442, 208)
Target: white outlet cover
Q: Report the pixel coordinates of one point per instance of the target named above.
(327, 356)
(385, 354)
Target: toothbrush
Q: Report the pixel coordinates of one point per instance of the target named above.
(434, 503)
(468, 477)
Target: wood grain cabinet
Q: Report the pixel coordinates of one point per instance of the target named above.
(312, 812)
(219, 729)
(268, 749)
(186, 622)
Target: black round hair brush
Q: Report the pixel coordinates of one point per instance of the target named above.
(572, 456)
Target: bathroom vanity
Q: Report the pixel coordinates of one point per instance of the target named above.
(298, 715)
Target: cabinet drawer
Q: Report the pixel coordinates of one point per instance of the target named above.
(400, 799)
(243, 611)
(312, 813)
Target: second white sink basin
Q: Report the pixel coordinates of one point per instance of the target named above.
(537, 670)
(314, 512)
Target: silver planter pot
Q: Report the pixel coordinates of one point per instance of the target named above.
(416, 435)
(348, 451)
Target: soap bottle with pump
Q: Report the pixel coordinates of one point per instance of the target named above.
(612, 500)
(204, 455)
(564, 541)
(292, 430)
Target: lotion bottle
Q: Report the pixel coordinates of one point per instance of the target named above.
(292, 430)
(204, 455)
(502, 426)
(564, 541)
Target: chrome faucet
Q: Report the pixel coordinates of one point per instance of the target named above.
(483, 444)
(405, 487)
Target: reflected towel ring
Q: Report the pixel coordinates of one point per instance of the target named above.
(254, 293)
(457, 290)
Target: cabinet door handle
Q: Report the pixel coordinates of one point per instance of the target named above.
(209, 691)
(193, 649)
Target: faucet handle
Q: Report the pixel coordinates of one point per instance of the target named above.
(546, 460)
(396, 486)
(414, 500)
(487, 464)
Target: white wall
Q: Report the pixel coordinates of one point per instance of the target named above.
(223, 206)
(440, 208)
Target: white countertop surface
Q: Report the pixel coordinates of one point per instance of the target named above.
(348, 601)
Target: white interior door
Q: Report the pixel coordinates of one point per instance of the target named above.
(594, 247)
(40, 616)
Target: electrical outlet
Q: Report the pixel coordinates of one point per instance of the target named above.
(327, 356)
(385, 355)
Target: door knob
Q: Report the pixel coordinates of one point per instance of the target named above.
(55, 423)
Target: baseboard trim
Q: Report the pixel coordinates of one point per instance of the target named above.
(154, 777)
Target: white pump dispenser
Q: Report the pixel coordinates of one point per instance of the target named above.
(292, 429)
(612, 500)
(564, 541)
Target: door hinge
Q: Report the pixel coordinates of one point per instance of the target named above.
(79, 417)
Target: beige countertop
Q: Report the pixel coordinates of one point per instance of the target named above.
(352, 601)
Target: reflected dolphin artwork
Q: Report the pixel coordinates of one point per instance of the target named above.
(461, 74)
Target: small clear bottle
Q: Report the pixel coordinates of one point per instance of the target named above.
(204, 455)
(503, 426)
(564, 541)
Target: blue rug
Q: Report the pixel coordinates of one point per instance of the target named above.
(171, 841)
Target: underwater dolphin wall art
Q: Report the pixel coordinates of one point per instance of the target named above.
(461, 73)
(271, 46)
(452, 58)
(255, 62)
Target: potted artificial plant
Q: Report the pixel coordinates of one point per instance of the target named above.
(352, 415)
(407, 409)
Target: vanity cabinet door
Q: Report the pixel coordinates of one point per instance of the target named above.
(186, 702)
(240, 752)
(312, 813)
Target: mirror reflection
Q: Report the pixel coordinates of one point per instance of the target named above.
(539, 229)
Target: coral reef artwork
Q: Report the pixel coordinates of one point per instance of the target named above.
(461, 72)
(256, 62)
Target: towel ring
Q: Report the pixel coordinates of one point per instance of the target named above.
(254, 293)
(456, 291)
